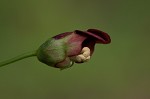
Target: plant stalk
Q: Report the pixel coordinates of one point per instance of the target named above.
(17, 58)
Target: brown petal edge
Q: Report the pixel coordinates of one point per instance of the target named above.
(100, 36)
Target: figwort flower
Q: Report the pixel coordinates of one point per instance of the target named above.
(62, 50)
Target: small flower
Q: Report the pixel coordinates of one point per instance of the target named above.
(62, 50)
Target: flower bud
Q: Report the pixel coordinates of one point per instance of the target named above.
(62, 50)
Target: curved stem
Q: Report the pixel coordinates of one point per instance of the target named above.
(17, 58)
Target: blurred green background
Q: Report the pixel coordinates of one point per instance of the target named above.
(120, 70)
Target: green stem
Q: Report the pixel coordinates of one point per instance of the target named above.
(17, 58)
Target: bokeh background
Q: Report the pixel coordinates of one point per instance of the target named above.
(120, 70)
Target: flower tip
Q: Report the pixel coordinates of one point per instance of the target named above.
(102, 37)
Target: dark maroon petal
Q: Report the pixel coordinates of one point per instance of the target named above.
(100, 36)
(62, 35)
